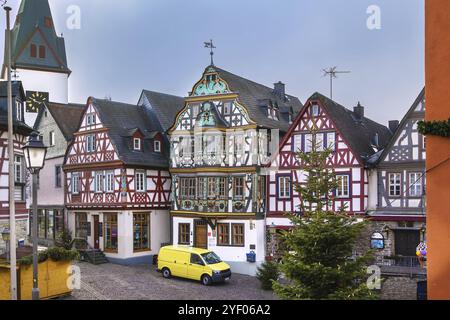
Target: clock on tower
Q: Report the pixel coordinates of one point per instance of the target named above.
(35, 100)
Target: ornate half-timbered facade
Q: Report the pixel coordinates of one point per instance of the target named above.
(219, 142)
(117, 181)
(399, 209)
(20, 136)
(351, 136)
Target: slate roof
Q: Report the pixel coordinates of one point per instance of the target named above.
(166, 107)
(122, 119)
(31, 16)
(67, 117)
(17, 90)
(359, 134)
(255, 97)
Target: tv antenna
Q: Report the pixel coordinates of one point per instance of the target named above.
(210, 45)
(332, 73)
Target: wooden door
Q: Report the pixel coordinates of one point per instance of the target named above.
(96, 232)
(201, 235)
(406, 242)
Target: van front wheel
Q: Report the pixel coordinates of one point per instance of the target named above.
(166, 273)
(206, 280)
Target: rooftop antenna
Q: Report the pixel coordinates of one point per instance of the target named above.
(332, 73)
(15, 74)
(210, 45)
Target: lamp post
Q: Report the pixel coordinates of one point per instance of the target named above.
(6, 237)
(35, 153)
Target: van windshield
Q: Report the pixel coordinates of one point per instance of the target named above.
(211, 258)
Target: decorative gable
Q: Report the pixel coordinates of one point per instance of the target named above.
(210, 84)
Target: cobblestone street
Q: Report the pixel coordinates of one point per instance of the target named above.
(115, 282)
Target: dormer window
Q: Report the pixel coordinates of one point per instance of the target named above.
(19, 111)
(48, 22)
(157, 146)
(137, 144)
(42, 52)
(33, 51)
(227, 108)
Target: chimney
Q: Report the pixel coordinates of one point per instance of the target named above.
(393, 125)
(280, 90)
(359, 111)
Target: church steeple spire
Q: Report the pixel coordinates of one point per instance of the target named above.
(35, 44)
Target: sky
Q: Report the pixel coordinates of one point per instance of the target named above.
(124, 46)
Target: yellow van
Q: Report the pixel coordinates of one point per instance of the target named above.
(192, 263)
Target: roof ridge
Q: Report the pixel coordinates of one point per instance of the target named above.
(162, 93)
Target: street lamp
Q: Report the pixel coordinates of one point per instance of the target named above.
(6, 236)
(35, 152)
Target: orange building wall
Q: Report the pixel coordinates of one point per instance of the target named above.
(437, 65)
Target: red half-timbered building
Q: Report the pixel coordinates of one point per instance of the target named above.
(353, 138)
(117, 181)
(20, 134)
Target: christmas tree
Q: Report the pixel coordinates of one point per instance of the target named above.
(319, 261)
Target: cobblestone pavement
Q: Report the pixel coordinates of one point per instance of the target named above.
(115, 282)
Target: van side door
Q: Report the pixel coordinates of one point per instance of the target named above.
(180, 264)
(197, 267)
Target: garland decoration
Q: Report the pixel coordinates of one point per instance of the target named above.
(435, 128)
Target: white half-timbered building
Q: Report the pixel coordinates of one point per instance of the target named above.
(399, 208)
(353, 138)
(219, 143)
(21, 133)
(117, 182)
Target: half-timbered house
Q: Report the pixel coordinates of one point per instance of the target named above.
(21, 132)
(117, 181)
(56, 124)
(352, 137)
(219, 143)
(398, 211)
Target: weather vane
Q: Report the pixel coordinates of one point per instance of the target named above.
(210, 45)
(332, 73)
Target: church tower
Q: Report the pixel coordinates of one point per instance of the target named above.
(39, 57)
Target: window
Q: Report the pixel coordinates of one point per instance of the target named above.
(19, 111)
(223, 188)
(110, 232)
(98, 182)
(223, 234)
(343, 189)
(415, 184)
(202, 188)
(137, 144)
(297, 143)
(284, 187)
(90, 119)
(141, 231)
(110, 183)
(18, 169)
(227, 108)
(81, 225)
(319, 141)
(395, 184)
(377, 241)
(211, 187)
(52, 138)
(140, 181)
(75, 183)
(42, 52)
(90, 143)
(308, 143)
(157, 146)
(331, 140)
(58, 174)
(315, 110)
(238, 188)
(238, 235)
(195, 110)
(195, 259)
(184, 233)
(238, 144)
(33, 51)
(48, 22)
(188, 188)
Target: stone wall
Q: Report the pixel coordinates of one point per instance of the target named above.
(399, 288)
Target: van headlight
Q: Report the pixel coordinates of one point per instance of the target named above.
(216, 272)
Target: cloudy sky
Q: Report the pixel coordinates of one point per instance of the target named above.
(124, 46)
